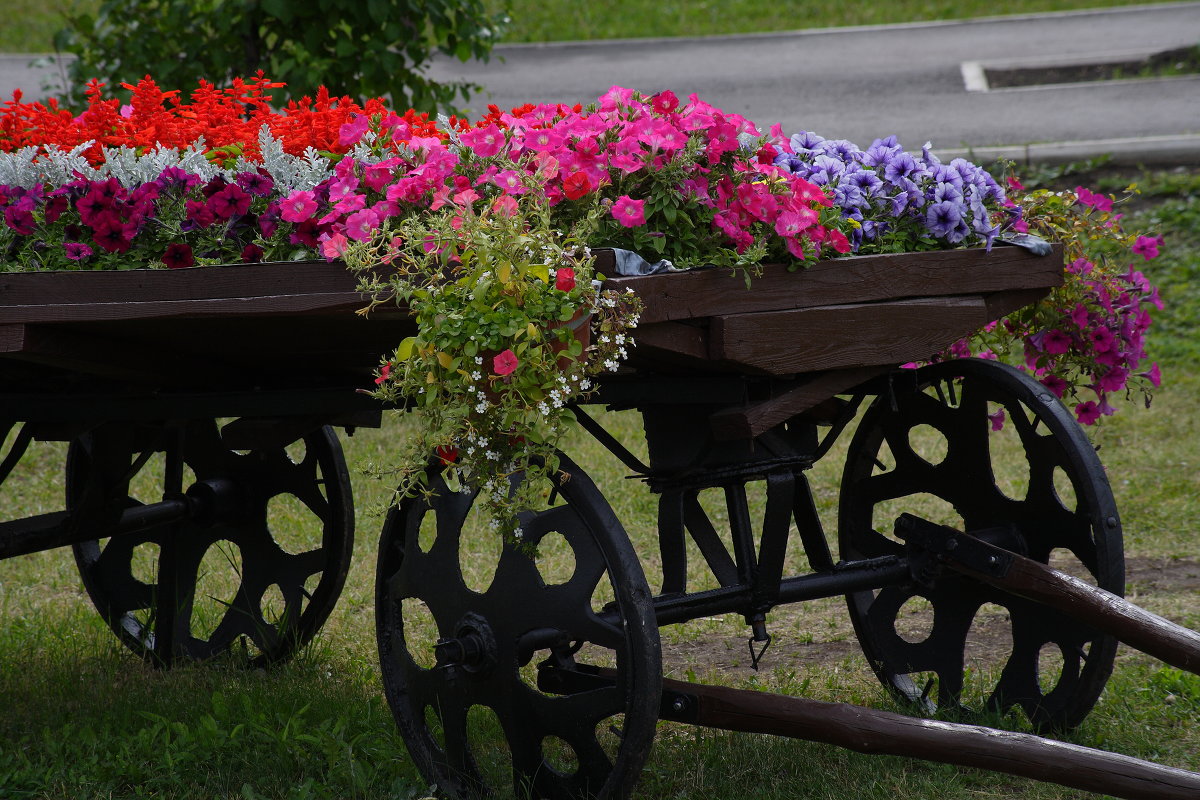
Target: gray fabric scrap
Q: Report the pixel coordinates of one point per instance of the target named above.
(631, 265)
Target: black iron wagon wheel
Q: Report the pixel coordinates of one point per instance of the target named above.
(254, 574)
(539, 675)
(980, 446)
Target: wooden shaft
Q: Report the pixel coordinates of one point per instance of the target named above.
(1150, 633)
(880, 732)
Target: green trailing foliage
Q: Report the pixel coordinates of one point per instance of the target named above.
(366, 49)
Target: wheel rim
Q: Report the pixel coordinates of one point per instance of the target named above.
(929, 448)
(458, 712)
(255, 581)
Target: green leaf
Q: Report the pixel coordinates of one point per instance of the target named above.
(280, 9)
(405, 350)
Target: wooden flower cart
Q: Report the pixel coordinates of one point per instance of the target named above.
(231, 380)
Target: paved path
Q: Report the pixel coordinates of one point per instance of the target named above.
(861, 83)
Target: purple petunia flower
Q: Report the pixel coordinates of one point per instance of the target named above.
(945, 220)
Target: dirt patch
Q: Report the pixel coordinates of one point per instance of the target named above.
(815, 636)
(1178, 61)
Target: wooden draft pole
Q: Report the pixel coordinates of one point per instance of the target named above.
(1091, 605)
(866, 730)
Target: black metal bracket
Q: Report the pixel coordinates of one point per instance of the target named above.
(932, 546)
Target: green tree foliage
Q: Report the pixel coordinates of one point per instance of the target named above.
(371, 48)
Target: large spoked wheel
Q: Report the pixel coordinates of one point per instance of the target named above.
(252, 572)
(980, 446)
(540, 673)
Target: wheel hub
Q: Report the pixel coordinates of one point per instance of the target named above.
(472, 649)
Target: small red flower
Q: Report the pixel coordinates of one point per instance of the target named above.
(505, 363)
(576, 185)
(446, 453)
(384, 374)
(564, 279)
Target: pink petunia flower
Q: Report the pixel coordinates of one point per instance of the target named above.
(351, 132)
(361, 225)
(332, 245)
(505, 363)
(509, 182)
(505, 206)
(629, 212)
(298, 207)
(485, 142)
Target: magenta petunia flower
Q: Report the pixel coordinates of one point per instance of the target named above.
(505, 363)
(252, 254)
(178, 256)
(298, 207)
(1087, 412)
(1154, 375)
(1055, 384)
(1146, 247)
(1056, 342)
(629, 212)
(230, 202)
(77, 251)
(1113, 380)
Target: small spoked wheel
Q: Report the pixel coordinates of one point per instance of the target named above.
(251, 572)
(980, 446)
(538, 675)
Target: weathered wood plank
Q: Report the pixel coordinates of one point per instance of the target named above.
(839, 337)
(753, 420)
(857, 279)
(673, 338)
(251, 306)
(196, 283)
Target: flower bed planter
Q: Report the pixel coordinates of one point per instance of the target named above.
(280, 324)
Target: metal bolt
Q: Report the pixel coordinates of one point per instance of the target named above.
(1111, 522)
(678, 705)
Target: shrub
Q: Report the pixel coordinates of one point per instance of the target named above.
(369, 49)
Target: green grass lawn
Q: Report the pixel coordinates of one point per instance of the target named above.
(85, 719)
(30, 25)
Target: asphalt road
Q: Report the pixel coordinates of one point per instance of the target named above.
(866, 82)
